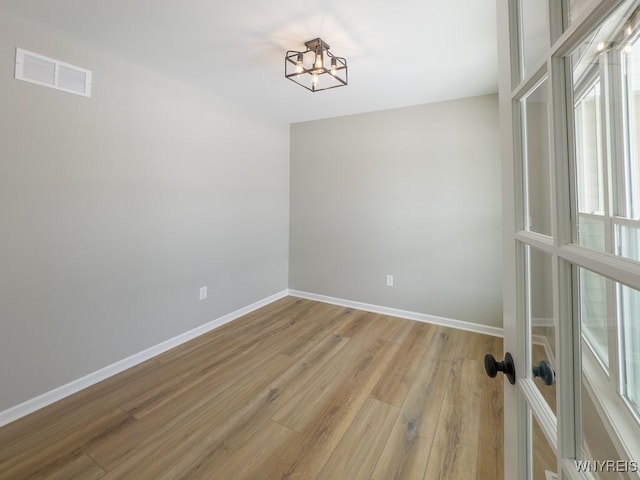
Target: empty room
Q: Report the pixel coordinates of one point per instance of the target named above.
(320, 240)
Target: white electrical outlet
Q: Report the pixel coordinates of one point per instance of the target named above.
(389, 280)
(203, 293)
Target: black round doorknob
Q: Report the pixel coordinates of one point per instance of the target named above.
(545, 372)
(492, 367)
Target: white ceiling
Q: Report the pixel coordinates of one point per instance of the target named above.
(400, 52)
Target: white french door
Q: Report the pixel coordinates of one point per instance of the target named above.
(570, 132)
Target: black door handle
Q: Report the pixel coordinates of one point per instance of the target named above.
(545, 372)
(492, 367)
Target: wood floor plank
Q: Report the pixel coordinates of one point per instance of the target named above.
(264, 315)
(61, 419)
(256, 412)
(297, 390)
(358, 322)
(218, 365)
(205, 398)
(453, 454)
(391, 329)
(272, 324)
(204, 387)
(54, 457)
(254, 457)
(394, 385)
(325, 322)
(356, 455)
(81, 467)
(323, 431)
(406, 452)
(302, 409)
(173, 377)
(176, 453)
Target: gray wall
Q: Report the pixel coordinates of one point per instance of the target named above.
(412, 192)
(114, 210)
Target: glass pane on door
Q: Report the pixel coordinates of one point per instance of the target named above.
(607, 209)
(628, 240)
(599, 455)
(595, 322)
(588, 142)
(627, 212)
(590, 181)
(544, 461)
(540, 318)
(534, 34)
(537, 188)
(576, 8)
(607, 311)
(629, 206)
(629, 312)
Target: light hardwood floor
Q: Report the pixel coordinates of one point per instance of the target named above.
(296, 390)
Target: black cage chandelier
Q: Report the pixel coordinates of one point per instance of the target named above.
(316, 68)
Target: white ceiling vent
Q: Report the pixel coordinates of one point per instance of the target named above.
(41, 70)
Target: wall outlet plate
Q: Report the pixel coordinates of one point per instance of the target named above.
(389, 280)
(203, 293)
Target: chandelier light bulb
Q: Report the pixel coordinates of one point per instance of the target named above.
(314, 79)
(299, 67)
(319, 62)
(334, 66)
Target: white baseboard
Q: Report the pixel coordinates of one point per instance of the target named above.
(41, 401)
(394, 312)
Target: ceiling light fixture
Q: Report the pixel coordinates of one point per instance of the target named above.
(309, 68)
